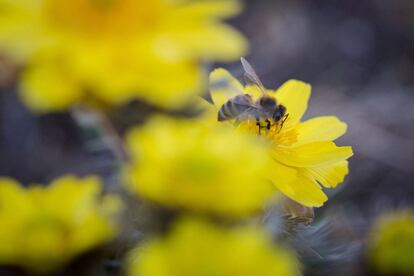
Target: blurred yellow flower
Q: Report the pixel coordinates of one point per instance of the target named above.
(115, 50)
(42, 228)
(194, 165)
(197, 248)
(392, 244)
(304, 153)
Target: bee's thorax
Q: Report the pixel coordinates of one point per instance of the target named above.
(267, 102)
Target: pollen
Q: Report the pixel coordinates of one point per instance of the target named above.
(274, 135)
(285, 138)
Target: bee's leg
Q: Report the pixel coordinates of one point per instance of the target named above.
(258, 125)
(268, 124)
(283, 121)
(285, 118)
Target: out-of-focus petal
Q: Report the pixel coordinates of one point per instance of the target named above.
(216, 41)
(45, 88)
(12, 195)
(41, 238)
(149, 50)
(312, 155)
(200, 165)
(16, 21)
(176, 85)
(209, 9)
(326, 128)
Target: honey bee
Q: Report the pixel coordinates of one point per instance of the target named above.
(242, 106)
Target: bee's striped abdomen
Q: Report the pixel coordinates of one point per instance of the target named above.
(228, 111)
(234, 107)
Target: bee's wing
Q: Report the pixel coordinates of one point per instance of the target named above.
(251, 110)
(250, 75)
(244, 99)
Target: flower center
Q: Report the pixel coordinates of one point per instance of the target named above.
(276, 134)
(104, 17)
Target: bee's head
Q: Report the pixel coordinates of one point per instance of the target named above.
(267, 103)
(279, 113)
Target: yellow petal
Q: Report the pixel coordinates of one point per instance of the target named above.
(296, 186)
(326, 128)
(330, 175)
(308, 193)
(209, 9)
(294, 95)
(46, 88)
(195, 40)
(223, 86)
(225, 43)
(312, 155)
(11, 195)
(17, 21)
(165, 84)
(193, 31)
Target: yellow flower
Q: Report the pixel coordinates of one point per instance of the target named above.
(115, 50)
(392, 244)
(197, 248)
(304, 152)
(196, 166)
(42, 228)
